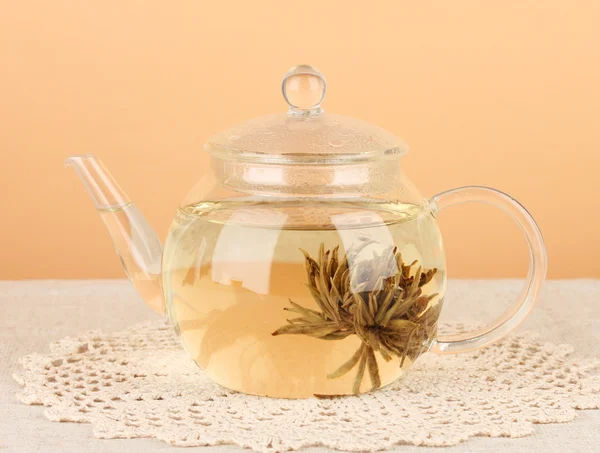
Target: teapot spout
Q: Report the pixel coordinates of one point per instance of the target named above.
(137, 245)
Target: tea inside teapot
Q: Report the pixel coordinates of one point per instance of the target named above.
(234, 291)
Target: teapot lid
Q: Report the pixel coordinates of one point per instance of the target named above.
(305, 134)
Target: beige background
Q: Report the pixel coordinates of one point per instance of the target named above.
(505, 94)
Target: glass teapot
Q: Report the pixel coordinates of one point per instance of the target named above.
(304, 262)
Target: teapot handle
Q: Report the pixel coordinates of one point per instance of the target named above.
(538, 264)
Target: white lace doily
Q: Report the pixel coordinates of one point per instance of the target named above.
(140, 383)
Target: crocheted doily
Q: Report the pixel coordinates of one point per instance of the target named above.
(140, 383)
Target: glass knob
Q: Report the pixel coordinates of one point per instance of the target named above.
(303, 89)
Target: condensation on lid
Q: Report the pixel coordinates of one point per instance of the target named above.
(306, 133)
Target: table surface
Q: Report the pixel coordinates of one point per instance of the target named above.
(35, 313)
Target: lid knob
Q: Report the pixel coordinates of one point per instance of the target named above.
(303, 89)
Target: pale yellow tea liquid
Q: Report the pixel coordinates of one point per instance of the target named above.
(139, 250)
(230, 270)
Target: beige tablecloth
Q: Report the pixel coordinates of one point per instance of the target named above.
(35, 313)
